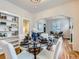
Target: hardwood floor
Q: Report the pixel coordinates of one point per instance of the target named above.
(2, 56)
(18, 50)
(68, 52)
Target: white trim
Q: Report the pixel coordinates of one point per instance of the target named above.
(9, 13)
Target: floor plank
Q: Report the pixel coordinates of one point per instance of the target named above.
(2, 56)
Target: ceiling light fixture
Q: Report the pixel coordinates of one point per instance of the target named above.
(36, 1)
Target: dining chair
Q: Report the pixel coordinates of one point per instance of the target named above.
(8, 50)
(10, 53)
(54, 54)
(58, 48)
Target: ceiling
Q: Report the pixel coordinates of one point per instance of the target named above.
(32, 8)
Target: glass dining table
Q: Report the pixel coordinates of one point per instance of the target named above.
(34, 47)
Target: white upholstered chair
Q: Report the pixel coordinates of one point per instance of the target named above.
(8, 50)
(45, 54)
(10, 53)
(44, 35)
(58, 48)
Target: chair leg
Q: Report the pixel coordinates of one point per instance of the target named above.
(68, 56)
(65, 56)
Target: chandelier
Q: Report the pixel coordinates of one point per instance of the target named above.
(36, 1)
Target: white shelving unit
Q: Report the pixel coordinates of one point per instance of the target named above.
(9, 28)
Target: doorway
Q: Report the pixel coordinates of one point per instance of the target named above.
(61, 24)
(26, 26)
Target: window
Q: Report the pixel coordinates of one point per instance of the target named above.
(60, 25)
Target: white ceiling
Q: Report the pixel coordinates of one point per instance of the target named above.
(30, 7)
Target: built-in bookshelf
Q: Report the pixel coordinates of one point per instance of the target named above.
(9, 28)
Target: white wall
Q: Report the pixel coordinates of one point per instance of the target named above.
(48, 25)
(37, 23)
(69, 9)
(23, 14)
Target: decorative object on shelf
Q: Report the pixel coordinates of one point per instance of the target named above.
(10, 28)
(3, 35)
(3, 17)
(2, 23)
